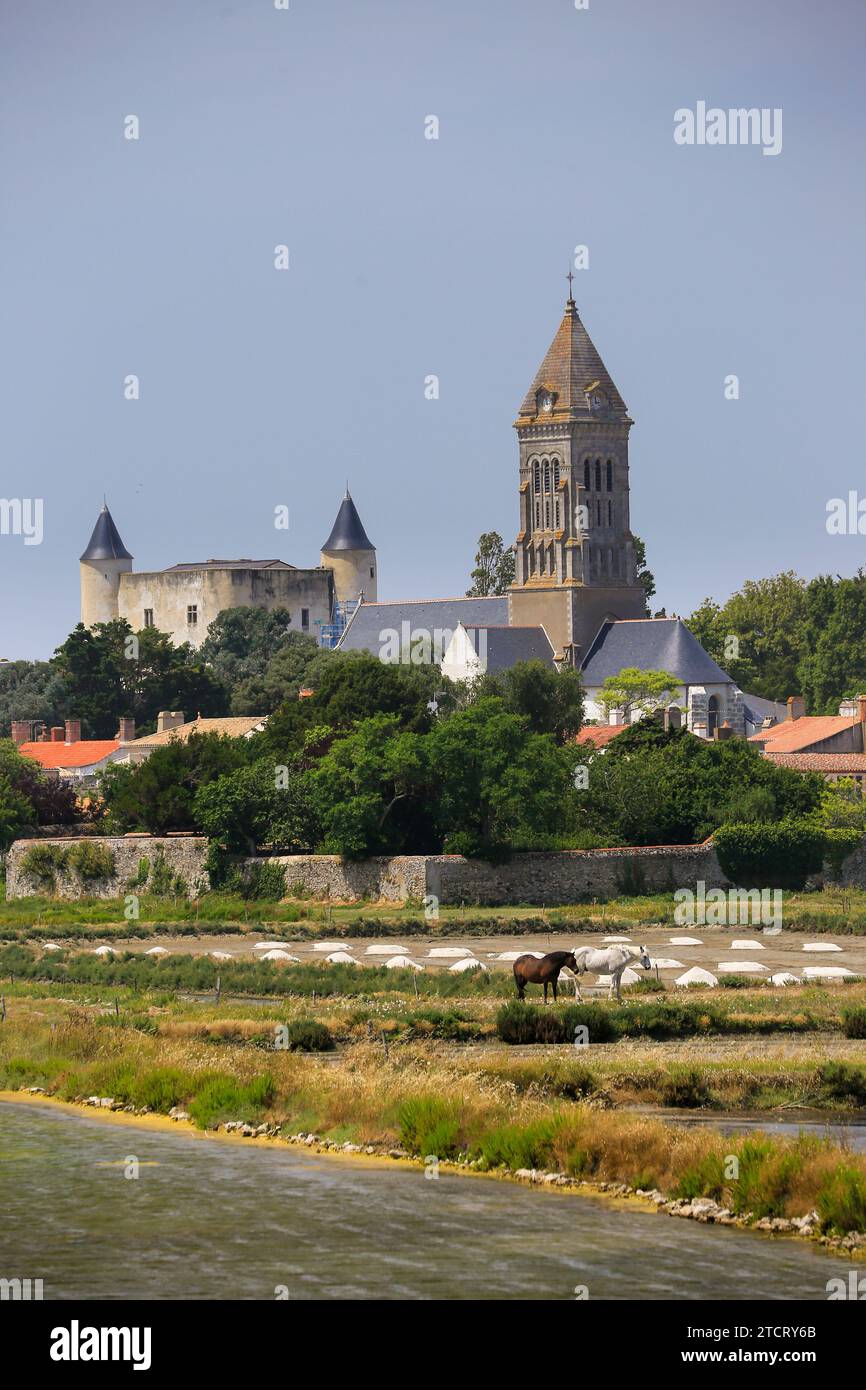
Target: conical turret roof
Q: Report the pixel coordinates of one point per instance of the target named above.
(348, 532)
(571, 373)
(105, 543)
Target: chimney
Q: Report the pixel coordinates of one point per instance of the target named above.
(796, 707)
(73, 731)
(168, 719)
(126, 728)
(58, 733)
(21, 731)
(723, 731)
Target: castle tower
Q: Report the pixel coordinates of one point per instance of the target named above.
(351, 555)
(575, 563)
(103, 562)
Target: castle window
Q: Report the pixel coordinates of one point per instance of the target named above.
(305, 618)
(598, 475)
(191, 614)
(586, 474)
(148, 617)
(610, 475)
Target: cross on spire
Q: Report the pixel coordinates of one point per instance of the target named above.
(570, 278)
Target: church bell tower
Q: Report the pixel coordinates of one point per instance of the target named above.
(575, 562)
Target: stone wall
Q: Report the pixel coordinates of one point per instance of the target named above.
(329, 876)
(183, 856)
(572, 877)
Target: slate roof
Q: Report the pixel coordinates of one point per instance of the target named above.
(571, 366)
(347, 532)
(229, 565)
(363, 632)
(505, 646)
(796, 735)
(85, 752)
(756, 709)
(105, 543)
(650, 644)
(235, 727)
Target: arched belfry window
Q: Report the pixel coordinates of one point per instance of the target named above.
(610, 475)
(536, 469)
(610, 513)
(547, 475)
(556, 473)
(586, 474)
(598, 475)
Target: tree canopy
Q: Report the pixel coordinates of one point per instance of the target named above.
(494, 567)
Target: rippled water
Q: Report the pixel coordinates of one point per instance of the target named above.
(207, 1219)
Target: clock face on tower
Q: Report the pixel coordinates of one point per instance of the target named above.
(597, 402)
(545, 401)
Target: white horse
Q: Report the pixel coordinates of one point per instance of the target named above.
(614, 962)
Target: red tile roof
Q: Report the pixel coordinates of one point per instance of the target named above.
(599, 735)
(841, 763)
(84, 753)
(795, 735)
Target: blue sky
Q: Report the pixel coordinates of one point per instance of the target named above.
(410, 257)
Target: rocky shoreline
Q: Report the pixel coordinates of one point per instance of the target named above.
(703, 1209)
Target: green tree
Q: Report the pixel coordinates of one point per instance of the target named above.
(649, 787)
(645, 577)
(551, 700)
(369, 791)
(31, 690)
(261, 806)
(16, 812)
(494, 567)
(297, 662)
(834, 666)
(760, 636)
(348, 689)
(49, 801)
(159, 793)
(242, 642)
(634, 691)
(495, 780)
(109, 671)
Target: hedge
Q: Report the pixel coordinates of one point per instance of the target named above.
(781, 855)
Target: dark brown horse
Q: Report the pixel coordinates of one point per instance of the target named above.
(529, 970)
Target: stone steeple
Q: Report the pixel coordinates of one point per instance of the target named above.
(574, 542)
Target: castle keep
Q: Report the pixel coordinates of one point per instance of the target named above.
(185, 599)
